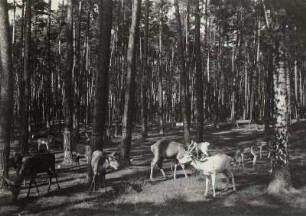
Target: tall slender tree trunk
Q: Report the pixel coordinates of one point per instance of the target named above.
(6, 90)
(25, 90)
(102, 92)
(77, 74)
(199, 75)
(49, 73)
(127, 121)
(296, 97)
(281, 178)
(183, 74)
(160, 71)
(68, 89)
(144, 105)
(268, 92)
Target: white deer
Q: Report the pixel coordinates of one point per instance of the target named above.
(211, 166)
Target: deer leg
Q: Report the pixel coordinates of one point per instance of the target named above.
(104, 182)
(55, 175)
(161, 169)
(172, 162)
(254, 157)
(94, 183)
(50, 182)
(242, 160)
(91, 185)
(207, 183)
(183, 168)
(152, 167)
(213, 183)
(260, 152)
(231, 174)
(36, 187)
(30, 185)
(174, 173)
(227, 180)
(269, 154)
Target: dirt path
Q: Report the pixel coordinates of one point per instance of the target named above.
(130, 192)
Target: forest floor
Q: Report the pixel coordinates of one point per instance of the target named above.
(131, 193)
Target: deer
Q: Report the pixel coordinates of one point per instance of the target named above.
(82, 151)
(264, 144)
(211, 166)
(99, 164)
(167, 149)
(15, 161)
(201, 149)
(43, 145)
(30, 167)
(246, 149)
(241, 151)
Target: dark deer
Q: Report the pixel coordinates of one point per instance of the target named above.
(31, 166)
(15, 161)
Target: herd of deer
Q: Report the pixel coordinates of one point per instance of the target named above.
(195, 154)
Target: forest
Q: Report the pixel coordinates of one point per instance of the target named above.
(96, 92)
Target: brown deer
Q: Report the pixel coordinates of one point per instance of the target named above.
(31, 166)
(99, 164)
(167, 149)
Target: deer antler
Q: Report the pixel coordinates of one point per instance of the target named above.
(191, 148)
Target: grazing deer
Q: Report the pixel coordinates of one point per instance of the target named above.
(211, 166)
(31, 166)
(241, 151)
(99, 164)
(167, 149)
(246, 149)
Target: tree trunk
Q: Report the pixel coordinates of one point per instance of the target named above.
(68, 89)
(268, 92)
(101, 95)
(127, 121)
(183, 78)
(6, 91)
(281, 178)
(160, 71)
(144, 112)
(199, 75)
(25, 83)
(49, 73)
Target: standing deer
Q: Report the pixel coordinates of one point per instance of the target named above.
(167, 149)
(211, 166)
(241, 151)
(99, 164)
(31, 166)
